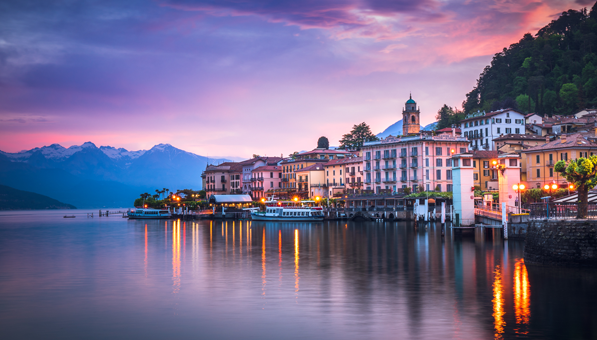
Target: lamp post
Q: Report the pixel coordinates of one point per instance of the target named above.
(551, 187)
(518, 188)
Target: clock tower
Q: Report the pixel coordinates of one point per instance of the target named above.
(410, 118)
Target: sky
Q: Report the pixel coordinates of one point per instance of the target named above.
(239, 77)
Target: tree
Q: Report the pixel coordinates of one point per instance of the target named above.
(569, 96)
(550, 101)
(323, 143)
(355, 139)
(523, 101)
(582, 172)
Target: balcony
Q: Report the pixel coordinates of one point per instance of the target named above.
(414, 154)
(257, 188)
(284, 179)
(351, 173)
(367, 181)
(403, 179)
(218, 189)
(389, 156)
(377, 168)
(550, 162)
(377, 157)
(403, 166)
(389, 167)
(414, 165)
(378, 180)
(223, 180)
(367, 169)
(236, 191)
(403, 154)
(389, 180)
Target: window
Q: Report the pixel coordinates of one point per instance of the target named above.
(427, 162)
(427, 174)
(538, 173)
(475, 176)
(449, 187)
(426, 151)
(487, 121)
(474, 164)
(507, 114)
(465, 125)
(482, 121)
(517, 130)
(564, 156)
(465, 162)
(439, 187)
(485, 173)
(449, 162)
(476, 123)
(498, 120)
(498, 131)
(449, 174)
(486, 164)
(462, 150)
(538, 160)
(486, 132)
(438, 175)
(508, 130)
(438, 162)
(448, 151)
(513, 162)
(508, 121)
(550, 172)
(438, 151)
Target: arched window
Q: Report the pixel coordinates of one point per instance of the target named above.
(412, 118)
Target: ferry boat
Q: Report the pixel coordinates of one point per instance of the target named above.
(287, 211)
(288, 214)
(148, 214)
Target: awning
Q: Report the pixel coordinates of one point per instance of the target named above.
(592, 198)
(230, 199)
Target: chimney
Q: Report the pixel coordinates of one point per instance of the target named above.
(453, 132)
(563, 138)
(546, 139)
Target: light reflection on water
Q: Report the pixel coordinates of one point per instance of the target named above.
(113, 278)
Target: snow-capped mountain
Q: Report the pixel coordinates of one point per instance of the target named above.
(61, 171)
(396, 129)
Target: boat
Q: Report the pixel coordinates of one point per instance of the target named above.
(72, 216)
(288, 211)
(148, 214)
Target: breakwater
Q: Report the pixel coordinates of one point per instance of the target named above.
(562, 243)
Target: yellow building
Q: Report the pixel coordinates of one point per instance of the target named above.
(342, 174)
(517, 143)
(300, 161)
(484, 173)
(541, 159)
(311, 180)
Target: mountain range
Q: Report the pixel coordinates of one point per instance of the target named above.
(90, 177)
(396, 129)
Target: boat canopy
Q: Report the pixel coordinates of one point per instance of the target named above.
(592, 198)
(219, 199)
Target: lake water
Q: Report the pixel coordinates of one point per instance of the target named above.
(111, 278)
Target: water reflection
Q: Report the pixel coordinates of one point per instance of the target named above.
(498, 303)
(522, 294)
(356, 281)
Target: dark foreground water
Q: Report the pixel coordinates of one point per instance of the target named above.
(110, 278)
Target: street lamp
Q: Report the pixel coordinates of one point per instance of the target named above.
(518, 188)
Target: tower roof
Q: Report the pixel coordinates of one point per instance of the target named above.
(410, 100)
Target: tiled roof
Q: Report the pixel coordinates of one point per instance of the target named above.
(345, 161)
(449, 130)
(268, 160)
(268, 168)
(485, 154)
(489, 114)
(323, 151)
(572, 141)
(516, 136)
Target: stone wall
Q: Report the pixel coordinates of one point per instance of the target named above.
(562, 243)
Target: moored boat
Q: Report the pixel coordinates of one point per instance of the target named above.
(149, 214)
(288, 214)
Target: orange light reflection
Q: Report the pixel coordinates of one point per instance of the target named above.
(176, 257)
(522, 294)
(296, 262)
(498, 304)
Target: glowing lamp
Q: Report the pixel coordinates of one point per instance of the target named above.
(317, 198)
(546, 187)
(521, 187)
(571, 187)
(515, 187)
(494, 162)
(146, 206)
(554, 186)
(453, 151)
(296, 199)
(263, 200)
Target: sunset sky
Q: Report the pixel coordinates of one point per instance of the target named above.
(236, 77)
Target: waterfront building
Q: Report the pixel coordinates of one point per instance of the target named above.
(395, 163)
(251, 164)
(222, 179)
(265, 180)
(516, 143)
(542, 158)
(533, 118)
(484, 173)
(343, 174)
(310, 181)
(300, 161)
(482, 128)
(410, 118)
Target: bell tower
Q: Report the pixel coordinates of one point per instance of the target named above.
(410, 118)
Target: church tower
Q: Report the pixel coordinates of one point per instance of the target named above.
(410, 118)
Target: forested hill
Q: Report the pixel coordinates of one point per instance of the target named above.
(553, 72)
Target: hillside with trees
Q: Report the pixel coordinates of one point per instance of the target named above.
(553, 72)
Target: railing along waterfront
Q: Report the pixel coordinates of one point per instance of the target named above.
(495, 210)
(559, 210)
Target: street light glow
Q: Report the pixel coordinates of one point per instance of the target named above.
(515, 187)
(521, 187)
(571, 187)
(554, 186)
(546, 187)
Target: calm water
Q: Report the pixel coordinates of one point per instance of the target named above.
(100, 278)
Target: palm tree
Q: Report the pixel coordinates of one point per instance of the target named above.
(158, 192)
(166, 191)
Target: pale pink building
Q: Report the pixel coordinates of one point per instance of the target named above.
(265, 180)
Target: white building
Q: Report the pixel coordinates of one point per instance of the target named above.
(482, 128)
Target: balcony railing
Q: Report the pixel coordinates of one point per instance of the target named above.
(367, 169)
(284, 179)
(389, 167)
(403, 166)
(351, 173)
(403, 179)
(376, 168)
(414, 165)
(257, 188)
(389, 180)
(223, 180)
(550, 162)
(414, 154)
(389, 156)
(367, 181)
(378, 180)
(403, 154)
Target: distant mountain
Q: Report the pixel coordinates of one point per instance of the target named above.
(396, 129)
(13, 199)
(92, 177)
